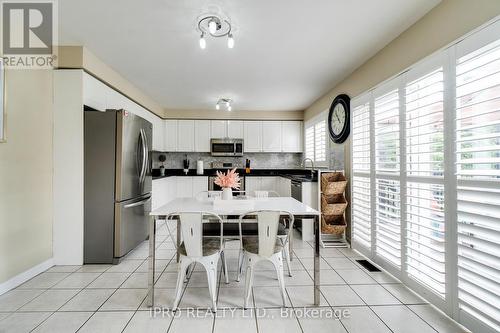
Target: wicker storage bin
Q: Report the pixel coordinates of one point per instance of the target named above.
(334, 209)
(332, 199)
(333, 183)
(332, 229)
(333, 219)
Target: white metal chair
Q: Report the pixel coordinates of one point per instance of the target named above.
(195, 248)
(265, 246)
(282, 234)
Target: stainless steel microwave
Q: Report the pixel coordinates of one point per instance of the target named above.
(226, 147)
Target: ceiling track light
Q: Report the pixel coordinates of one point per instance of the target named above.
(215, 25)
(225, 102)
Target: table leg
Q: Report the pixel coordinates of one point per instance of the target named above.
(316, 261)
(290, 241)
(151, 268)
(178, 240)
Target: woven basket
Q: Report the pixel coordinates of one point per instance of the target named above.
(333, 220)
(333, 188)
(327, 199)
(334, 209)
(332, 229)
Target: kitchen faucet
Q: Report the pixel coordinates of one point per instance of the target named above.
(303, 164)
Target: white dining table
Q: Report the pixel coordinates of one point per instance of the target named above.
(183, 205)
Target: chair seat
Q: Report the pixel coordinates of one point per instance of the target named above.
(232, 229)
(251, 244)
(210, 245)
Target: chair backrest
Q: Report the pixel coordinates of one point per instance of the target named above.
(265, 194)
(191, 224)
(267, 229)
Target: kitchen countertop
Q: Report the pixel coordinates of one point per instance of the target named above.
(302, 175)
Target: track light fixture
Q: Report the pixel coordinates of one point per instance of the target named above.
(224, 102)
(215, 25)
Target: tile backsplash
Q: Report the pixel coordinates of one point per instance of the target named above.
(258, 160)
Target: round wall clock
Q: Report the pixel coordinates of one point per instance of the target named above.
(339, 118)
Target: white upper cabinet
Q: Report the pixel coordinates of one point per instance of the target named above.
(185, 135)
(158, 134)
(170, 135)
(271, 136)
(252, 136)
(218, 129)
(94, 93)
(202, 136)
(291, 136)
(235, 129)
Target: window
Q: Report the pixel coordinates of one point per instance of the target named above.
(425, 183)
(478, 172)
(316, 140)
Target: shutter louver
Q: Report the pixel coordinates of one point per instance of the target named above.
(320, 142)
(387, 133)
(388, 221)
(309, 143)
(361, 211)
(361, 138)
(478, 173)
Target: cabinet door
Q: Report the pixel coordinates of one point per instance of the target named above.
(158, 137)
(218, 129)
(200, 184)
(268, 184)
(185, 135)
(252, 184)
(271, 136)
(235, 129)
(202, 136)
(184, 187)
(286, 187)
(291, 136)
(171, 189)
(170, 135)
(253, 136)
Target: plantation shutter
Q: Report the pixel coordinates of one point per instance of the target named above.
(309, 142)
(425, 216)
(387, 190)
(320, 141)
(361, 195)
(478, 173)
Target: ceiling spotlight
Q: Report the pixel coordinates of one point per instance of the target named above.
(215, 25)
(212, 26)
(203, 42)
(230, 41)
(226, 102)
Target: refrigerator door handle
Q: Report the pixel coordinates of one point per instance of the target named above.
(142, 175)
(138, 203)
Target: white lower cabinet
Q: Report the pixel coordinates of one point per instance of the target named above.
(284, 187)
(184, 187)
(200, 184)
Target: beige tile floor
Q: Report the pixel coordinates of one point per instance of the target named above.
(106, 298)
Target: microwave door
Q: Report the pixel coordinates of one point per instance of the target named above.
(222, 149)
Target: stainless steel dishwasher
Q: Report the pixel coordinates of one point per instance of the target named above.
(297, 190)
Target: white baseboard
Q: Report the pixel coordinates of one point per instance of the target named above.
(25, 276)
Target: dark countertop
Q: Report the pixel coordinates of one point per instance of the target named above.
(303, 175)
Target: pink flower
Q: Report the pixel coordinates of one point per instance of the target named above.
(229, 180)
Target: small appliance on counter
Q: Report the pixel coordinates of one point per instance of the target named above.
(247, 166)
(199, 167)
(185, 164)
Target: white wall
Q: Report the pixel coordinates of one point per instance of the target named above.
(26, 174)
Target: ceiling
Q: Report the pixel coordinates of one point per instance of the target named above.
(287, 53)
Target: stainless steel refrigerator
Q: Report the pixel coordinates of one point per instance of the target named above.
(117, 184)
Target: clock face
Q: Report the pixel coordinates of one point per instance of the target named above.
(338, 119)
